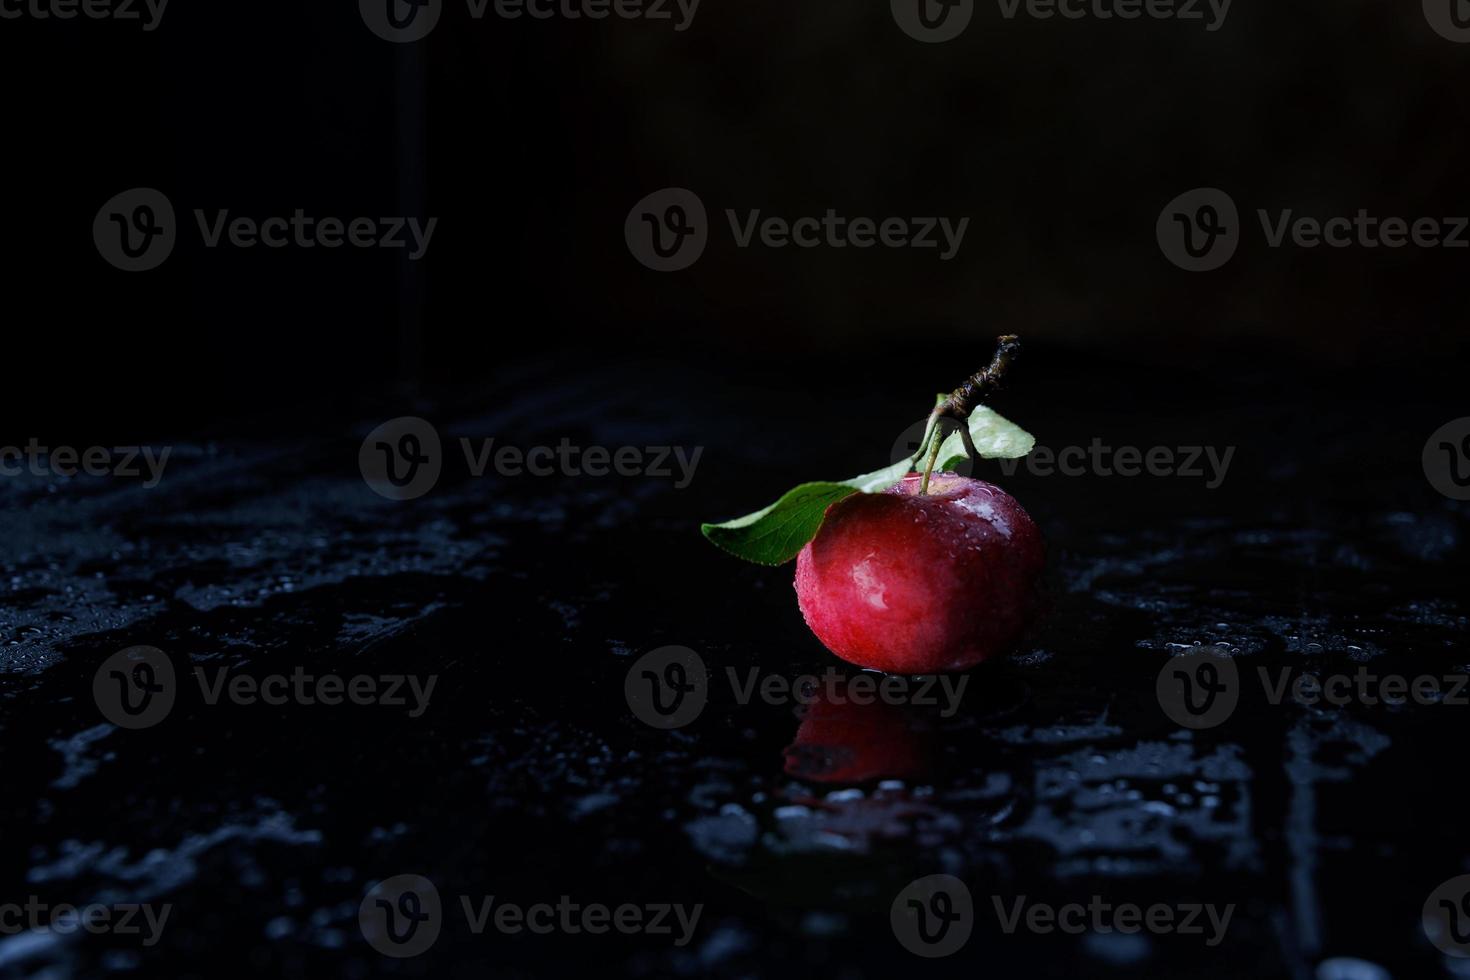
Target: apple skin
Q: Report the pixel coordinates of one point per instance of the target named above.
(912, 584)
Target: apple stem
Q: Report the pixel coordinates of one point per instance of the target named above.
(962, 402)
(963, 399)
(937, 440)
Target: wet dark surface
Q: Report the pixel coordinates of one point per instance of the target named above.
(528, 778)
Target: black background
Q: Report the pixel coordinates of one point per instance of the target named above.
(1061, 141)
(529, 321)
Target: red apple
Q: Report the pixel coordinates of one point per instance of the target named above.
(913, 584)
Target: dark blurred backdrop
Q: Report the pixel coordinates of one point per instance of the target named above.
(530, 140)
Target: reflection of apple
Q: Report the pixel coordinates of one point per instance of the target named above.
(921, 584)
(844, 742)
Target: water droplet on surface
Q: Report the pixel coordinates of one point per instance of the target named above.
(1350, 968)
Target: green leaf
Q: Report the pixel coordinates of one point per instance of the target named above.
(880, 480)
(776, 535)
(995, 436)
